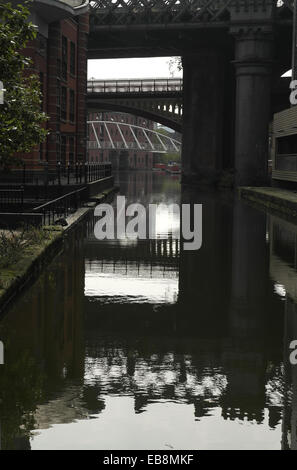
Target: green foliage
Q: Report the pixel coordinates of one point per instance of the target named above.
(21, 117)
(168, 157)
(175, 64)
(13, 244)
(21, 384)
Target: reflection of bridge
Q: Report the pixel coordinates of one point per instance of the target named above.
(155, 141)
(159, 252)
(159, 100)
(234, 53)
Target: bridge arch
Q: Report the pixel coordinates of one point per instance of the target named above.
(94, 104)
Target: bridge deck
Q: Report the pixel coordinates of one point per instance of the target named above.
(160, 85)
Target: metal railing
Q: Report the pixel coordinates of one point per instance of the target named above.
(10, 198)
(61, 207)
(60, 174)
(97, 171)
(160, 85)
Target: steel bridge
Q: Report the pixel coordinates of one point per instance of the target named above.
(154, 141)
(233, 53)
(172, 12)
(158, 100)
(138, 28)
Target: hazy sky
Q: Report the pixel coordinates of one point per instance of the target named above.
(157, 67)
(288, 74)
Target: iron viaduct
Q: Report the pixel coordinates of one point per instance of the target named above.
(233, 53)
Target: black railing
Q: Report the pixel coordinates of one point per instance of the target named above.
(97, 171)
(61, 207)
(45, 174)
(11, 197)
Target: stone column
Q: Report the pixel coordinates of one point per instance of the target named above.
(253, 62)
(203, 115)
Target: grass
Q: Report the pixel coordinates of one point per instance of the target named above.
(14, 243)
(18, 249)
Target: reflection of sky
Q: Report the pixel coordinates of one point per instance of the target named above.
(166, 425)
(120, 279)
(166, 222)
(141, 284)
(162, 421)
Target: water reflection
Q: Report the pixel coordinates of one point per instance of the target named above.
(139, 344)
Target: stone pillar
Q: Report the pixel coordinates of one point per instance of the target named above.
(203, 115)
(253, 99)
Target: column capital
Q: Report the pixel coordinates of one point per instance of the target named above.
(252, 15)
(252, 33)
(253, 46)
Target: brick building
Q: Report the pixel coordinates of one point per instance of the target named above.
(59, 56)
(121, 158)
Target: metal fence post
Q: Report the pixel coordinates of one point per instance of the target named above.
(59, 173)
(86, 173)
(24, 174)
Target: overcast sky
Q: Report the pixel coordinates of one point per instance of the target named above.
(156, 67)
(288, 74)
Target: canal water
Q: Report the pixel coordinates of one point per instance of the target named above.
(139, 344)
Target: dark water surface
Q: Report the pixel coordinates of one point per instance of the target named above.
(133, 344)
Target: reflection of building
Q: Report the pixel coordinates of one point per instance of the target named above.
(43, 335)
(121, 159)
(59, 57)
(215, 351)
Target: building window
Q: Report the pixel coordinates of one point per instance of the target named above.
(58, 99)
(72, 106)
(41, 152)
(63, 149)
(286, 153)
(64, 103)
(58, 147)
(59, 68)
(41, 45)
(64, 58)
(72, 58)
(71, 149)
(41, 79)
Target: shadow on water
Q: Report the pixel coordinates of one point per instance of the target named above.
(140, 344)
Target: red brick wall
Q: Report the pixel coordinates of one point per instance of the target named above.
(49, 62)
(135, 159)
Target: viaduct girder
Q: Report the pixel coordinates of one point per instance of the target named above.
(233, 53)
(135, 28)
(175, 12)
(157, 100)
